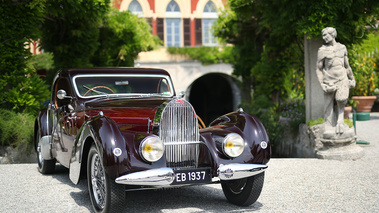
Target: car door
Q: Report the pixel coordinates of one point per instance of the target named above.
(63, 134)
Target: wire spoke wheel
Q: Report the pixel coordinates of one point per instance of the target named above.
(98, 181)
(105, 194)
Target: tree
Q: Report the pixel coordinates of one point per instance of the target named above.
(71, 30)
(123, 36)
(273, 32)
(20, 87)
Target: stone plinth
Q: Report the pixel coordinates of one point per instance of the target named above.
(340, 147)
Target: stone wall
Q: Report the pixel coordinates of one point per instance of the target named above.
(302, 144)
(10, 155)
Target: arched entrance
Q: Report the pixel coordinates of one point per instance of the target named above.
(213, 95)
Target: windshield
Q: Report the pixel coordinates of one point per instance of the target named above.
(106, 85)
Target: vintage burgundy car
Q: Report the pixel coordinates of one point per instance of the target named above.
(125, 129)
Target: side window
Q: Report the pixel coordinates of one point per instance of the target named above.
(163, 87)
(61, 84)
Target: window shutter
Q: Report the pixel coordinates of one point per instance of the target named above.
(198, 32)
(160, 28)
(187, 31)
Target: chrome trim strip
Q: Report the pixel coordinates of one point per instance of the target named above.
(120, 75)
(153, 177)
(180, 143)
(238, 171)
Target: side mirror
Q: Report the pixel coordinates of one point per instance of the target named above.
(61, 94)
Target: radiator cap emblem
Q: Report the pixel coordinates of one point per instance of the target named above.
(179, 101)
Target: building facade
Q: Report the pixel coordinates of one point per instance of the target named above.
(178, 23)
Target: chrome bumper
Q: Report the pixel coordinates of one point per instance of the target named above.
(166, 176)
(153, 177)
(238, 171)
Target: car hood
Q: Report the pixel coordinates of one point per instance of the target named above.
(125, 103)
(129, 114)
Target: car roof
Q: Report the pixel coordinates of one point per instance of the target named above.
(112, 70)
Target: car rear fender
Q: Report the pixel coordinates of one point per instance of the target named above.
(43, 126)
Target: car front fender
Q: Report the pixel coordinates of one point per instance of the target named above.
(251, 129)
(106, 135)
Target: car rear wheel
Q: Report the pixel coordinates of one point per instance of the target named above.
(243, 192)
(105, 194)
(44, 166)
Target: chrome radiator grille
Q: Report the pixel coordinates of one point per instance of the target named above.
(179, 132)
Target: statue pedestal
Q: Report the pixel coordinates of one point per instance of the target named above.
(340, 147)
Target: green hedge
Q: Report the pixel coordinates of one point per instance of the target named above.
(16, 129)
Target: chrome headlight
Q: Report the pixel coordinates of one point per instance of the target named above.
(233, 145)
(151, 149)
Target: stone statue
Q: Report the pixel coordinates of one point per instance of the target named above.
(336, 78)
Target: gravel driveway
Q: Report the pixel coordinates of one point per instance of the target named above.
(291, 185)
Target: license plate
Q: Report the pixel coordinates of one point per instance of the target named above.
(192, 176)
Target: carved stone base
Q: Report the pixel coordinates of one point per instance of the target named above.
(339, 146)
(340, 149)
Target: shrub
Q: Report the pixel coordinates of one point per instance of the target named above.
(16, 129)
(294, 111)
(318, 121)
(206, 55)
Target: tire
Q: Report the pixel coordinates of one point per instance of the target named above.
(105, 194)
(44, 166)
(243, 192)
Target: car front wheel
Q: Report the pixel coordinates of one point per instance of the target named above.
(44, 166)
(245, 191)
(105, 194)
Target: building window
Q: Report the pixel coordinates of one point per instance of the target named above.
(136, 8)
(173, 19)
(209, 17)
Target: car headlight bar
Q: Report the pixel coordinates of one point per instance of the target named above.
(151, 149)
(233, 145)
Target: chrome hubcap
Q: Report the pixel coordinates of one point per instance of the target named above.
(237, 186)
(40, 159)
(98, 181)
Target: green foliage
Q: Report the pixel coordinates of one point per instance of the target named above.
(206, 55)
(277, 117)
(29, 94)
(122, 36)
(365, 69)
(43, 61)
(293, 111)
(349, 123)
(239, 25)
(71, 30)
(16, 129)
(318, 121)
(268, 36)
(20, 87)
(350, 18)
(371, 44)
